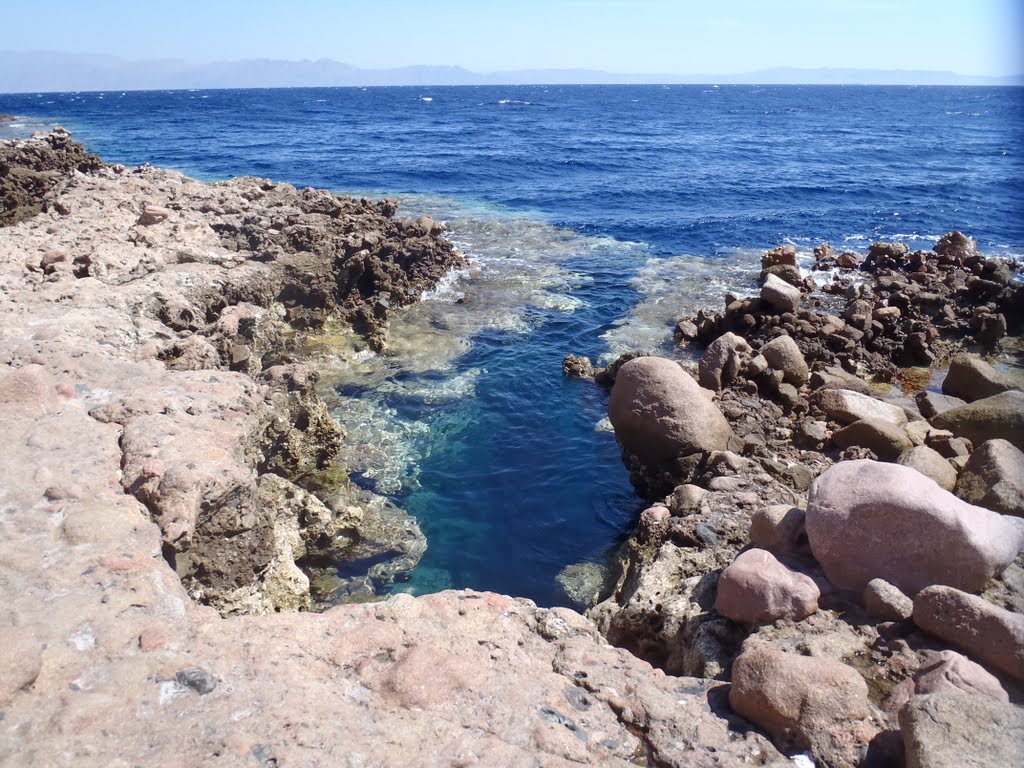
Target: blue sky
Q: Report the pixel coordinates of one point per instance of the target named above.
(975, 37)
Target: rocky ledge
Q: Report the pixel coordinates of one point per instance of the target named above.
(845, 552)
(168, 491)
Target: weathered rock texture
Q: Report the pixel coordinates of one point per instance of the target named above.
(152, 416)
(868, 520)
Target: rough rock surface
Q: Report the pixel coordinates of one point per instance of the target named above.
(994, 478)
(756, 587)
(970, 378)
(660, 414)
(784, 355)
(997, 417)
(811, 703)
(986, 631)
(932, 464)
(947, 671)
(958, 730)
(130, 444)
(722, 361)
(868, 520)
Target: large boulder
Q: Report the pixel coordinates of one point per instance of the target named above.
(758, 588)
(784, 355)
(868, 520)
(779, 294)
(999, 416)
(947, 671)
(722, 360)
(994, 478)
(953, 729)
(846, 407)
(807, 702)
(984, 630)
(660, 413)
(970, 378)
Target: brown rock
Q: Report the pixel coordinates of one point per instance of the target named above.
(846, 407)
(723, 359)
(932, 464)
(885, 601)
(783, 254)
(994, 478)
(778, 528)
(999, 416)
(957, 730)
(986, 631)
(801, 701)
(784, 355)
(886, 440)
(868, 520)
(758, 588)
(659, 412)
(970, 378)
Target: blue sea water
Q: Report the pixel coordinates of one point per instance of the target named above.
(592, 215)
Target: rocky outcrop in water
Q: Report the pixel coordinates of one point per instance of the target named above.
(801, 392)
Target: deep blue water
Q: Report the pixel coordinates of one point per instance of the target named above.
(563, 196)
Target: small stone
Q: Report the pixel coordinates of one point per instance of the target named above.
(196, 678)
(780, 294)
(685, 499)
(931, 463)
(758, 588)
(779, 528)
(970, 378)
(153, 214)
(884, 601)
(20, 661)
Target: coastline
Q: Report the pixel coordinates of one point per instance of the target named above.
(146, 352)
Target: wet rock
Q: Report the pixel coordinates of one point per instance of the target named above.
(582, 582)
(970, 378)
(577, 367)
(886, 602)
(985, 631)
(659, 413)
(956, 248)
(778, 528)
(811, 703)
(783, 254)
(932, 403)
(846, 407)
(994, 478)
(780, 294)
(997, 417)
(868, 520)
(932, 464)
(722, 361)
(884, 439)
(784, 355)
(952, 729)
(758, 588)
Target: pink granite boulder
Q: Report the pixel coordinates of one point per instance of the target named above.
(868, 520)
(946, 671)
(973, 624)
(660, 413)
(758, 588)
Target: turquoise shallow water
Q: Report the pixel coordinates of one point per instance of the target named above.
(591, 216)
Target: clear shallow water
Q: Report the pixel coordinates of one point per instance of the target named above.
(592, 216)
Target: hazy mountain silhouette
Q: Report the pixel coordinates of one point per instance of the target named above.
(52, 71)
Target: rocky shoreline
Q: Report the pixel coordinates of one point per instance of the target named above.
(172, 509)
(822, 547)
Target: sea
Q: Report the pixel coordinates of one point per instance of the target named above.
(592, 217)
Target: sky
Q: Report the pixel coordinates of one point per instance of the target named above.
(970, 37)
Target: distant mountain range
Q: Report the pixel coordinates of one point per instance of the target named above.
(46, 71)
